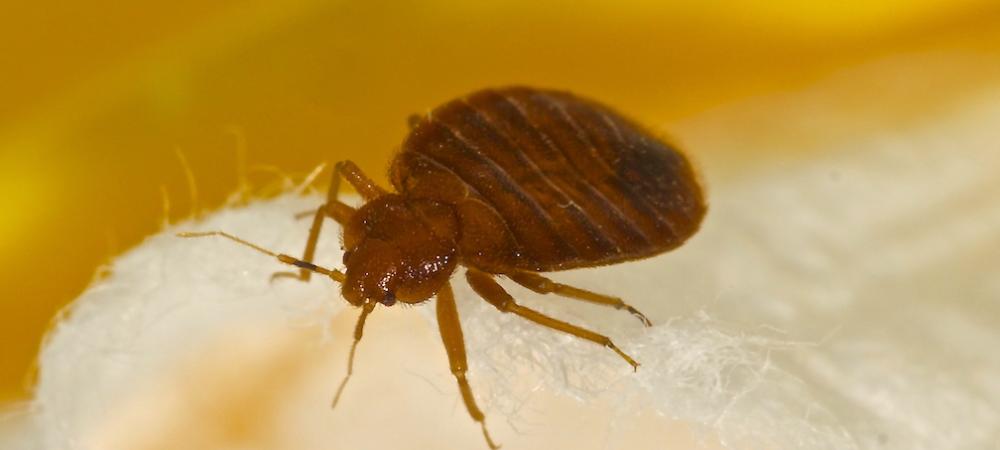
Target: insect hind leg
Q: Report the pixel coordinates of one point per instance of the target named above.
(543, 285)
(491, 291)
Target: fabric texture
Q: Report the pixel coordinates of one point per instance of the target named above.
(848, 300)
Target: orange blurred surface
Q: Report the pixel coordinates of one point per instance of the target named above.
(98, 96)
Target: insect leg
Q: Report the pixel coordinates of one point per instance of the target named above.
(484, 284)
(543, 285)
(364, 185)
(334, 208)
(359, 329)
(454, 345)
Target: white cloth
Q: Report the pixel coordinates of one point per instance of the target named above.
(845, 300)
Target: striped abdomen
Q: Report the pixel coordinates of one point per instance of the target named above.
(544, 180)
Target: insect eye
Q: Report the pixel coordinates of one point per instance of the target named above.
(347, 256)
(390, 299)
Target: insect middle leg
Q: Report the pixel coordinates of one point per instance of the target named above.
(543, 285)
(491, 291)
(334, 208)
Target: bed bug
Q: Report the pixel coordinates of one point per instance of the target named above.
(506, 182)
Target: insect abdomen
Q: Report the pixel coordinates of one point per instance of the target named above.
(574, 183)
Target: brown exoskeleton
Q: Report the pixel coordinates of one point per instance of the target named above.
(510, 182)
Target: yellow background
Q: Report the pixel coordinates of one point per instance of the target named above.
(96, 97)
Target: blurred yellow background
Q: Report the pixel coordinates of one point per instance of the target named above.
(96, 97)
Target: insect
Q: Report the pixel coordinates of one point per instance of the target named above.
(506, 182)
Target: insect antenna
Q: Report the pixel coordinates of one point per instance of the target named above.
(358, 331)
(336, 275)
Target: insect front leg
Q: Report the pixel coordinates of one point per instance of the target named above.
(335, 209)
(543, 285)
(361, 183)
(491, 291)
(454, 345)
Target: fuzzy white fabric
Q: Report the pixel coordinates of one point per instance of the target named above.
(847, 301)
